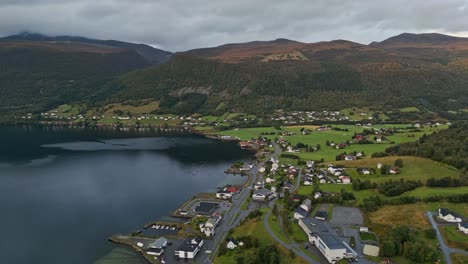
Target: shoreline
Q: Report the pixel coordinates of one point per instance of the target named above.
(126, 240)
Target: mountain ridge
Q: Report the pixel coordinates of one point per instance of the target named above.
(261, 76)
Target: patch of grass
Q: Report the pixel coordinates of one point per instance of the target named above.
(409, 109)
(298, 234)
(459, 259)
(454, 238)
(255, 228)
(366, 236)
(275, 225)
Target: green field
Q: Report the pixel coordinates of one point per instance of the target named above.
(414, 168)
(454, 238)
(255, 228)
(409, 109)
(336, 188)
(423, 192)
(366, 236)
(329, 153)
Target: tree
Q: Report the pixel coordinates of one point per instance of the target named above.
(399, 163)
(352, 241)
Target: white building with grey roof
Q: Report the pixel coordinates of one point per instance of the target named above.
(322, 236)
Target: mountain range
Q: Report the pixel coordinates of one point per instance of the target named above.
(429, 71)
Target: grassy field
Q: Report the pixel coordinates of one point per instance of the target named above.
(146, 108)
(423, 192)
(256, 229)
(459, 259)
(366, 236)
(454, 238)
(355, 113)
(336, 188)
(320, 137)
(409, 109)
(413, 215)
(414, 168)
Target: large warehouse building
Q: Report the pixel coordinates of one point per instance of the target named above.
(326, 240)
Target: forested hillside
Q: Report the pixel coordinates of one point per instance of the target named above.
(428, 71)
(40, 75)
(261, 76)
(449, 146)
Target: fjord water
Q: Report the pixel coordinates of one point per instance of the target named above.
(63, 192)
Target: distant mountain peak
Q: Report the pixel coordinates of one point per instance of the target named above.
(152, 55)
(432, 38)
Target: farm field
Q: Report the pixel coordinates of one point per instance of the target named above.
(391, 215)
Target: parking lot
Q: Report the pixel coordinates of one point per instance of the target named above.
(346, 216)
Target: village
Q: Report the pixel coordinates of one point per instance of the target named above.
(308, 207)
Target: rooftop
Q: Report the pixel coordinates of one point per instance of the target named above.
(190, 244)
(158, 243)
(205, 208)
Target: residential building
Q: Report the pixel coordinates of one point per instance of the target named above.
(263, 195)
(209, 227)
(224, 194)
(449, 216)
(463, 227)
(189, 248)
(232, 244)
(156, 248)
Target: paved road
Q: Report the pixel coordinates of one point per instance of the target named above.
(445, 249)
(298, 183)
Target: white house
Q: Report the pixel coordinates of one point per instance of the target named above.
(232, 244)
(262, 195)
(209, 227)
(310, 163)
(224, 194)
(306, 182)
(317, 195)
(269, 180)
(463, 227)
(345, 179)
(449, 216)
(189, 248)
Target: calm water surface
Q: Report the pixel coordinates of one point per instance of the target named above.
(63, 192)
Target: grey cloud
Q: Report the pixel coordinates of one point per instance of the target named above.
(178, 25)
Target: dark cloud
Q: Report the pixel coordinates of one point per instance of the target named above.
(180, 24)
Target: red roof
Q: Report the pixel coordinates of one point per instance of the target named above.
(233, 189)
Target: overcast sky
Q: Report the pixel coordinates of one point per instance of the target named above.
(178, 25)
